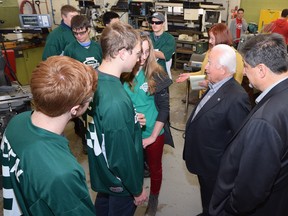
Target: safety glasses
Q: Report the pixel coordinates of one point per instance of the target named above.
(79, 33)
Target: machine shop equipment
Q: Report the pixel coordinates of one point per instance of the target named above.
(13, 97)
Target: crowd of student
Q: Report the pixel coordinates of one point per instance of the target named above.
(117, 92)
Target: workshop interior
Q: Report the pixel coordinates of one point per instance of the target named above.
(25, 24)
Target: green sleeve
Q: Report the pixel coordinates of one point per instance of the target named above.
(169, 47)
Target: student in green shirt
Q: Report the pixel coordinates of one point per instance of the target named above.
(86, 51)
(114, 140)
(40, 174)
(83, 49)
(61, 36)
(163, 42)
(147, 87)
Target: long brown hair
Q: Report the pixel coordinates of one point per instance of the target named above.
(151, 68)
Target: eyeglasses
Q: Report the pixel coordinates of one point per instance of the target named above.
(156, 22)
(79, 33)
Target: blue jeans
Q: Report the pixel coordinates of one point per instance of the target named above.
(108, 205)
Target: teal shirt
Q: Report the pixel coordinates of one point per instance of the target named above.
(90, 56)
(57, 40)
(143, 102)
(166, 44)
(41, 174)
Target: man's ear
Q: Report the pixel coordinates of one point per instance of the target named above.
(122, 54)
(63, 16)
(74, 110)
(262, 70)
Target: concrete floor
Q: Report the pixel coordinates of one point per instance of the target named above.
(179, 194)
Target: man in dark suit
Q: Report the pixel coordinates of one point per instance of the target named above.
(214, 120)
(253, 175)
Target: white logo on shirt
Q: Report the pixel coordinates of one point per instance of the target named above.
(91, 61)
(144, 87)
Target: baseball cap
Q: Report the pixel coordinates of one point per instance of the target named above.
(158, 16)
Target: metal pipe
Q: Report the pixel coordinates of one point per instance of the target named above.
(52, 12)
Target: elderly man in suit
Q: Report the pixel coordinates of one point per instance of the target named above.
(214, 120)
(253, 174)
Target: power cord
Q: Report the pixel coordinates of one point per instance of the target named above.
(181, 130)
(177, 128)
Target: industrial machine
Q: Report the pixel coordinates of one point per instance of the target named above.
(13, 97)
(195, 62)
(34, 21)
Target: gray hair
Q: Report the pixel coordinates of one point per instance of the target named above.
(268, 49)
(227, 57)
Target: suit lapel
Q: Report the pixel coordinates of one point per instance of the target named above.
(212, 102)
(192, 113)
(215, 99)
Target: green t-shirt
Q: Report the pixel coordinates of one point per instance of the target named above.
(166, 44)
(41, 176)
(90, 56)
(143, 103)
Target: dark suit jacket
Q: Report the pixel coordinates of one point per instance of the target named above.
(207, 136)
(253, 176)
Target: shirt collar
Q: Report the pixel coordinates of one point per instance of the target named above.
(156, 37)
(215, 87)
(265, 92)
(63, 24)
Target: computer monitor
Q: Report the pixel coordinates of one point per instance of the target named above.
(35, 21)
(210, 17)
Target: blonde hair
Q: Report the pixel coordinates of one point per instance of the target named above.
(151, 68)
